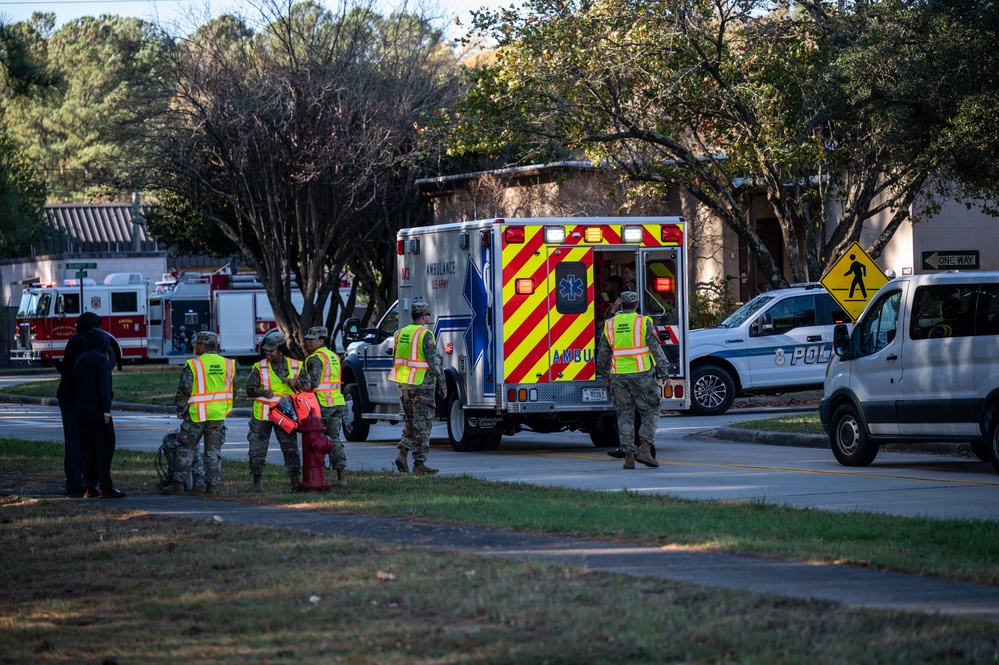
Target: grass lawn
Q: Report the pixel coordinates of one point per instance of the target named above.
(83, 584)
(150, 386)
(796, 423)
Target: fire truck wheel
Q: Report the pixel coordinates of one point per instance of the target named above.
(457, 428)
(604, 433)
(354, 427)
(713, 391)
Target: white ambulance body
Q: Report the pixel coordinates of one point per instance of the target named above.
(517, 315)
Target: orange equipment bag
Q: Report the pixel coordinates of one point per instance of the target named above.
(293, 409)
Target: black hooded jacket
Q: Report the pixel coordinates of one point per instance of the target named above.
(75, 348)
(92, 376)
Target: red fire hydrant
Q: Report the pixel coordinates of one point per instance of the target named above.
(315, 445)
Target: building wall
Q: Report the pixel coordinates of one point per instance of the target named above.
(956, 229)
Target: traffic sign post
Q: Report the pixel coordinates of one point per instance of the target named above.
(853, 280)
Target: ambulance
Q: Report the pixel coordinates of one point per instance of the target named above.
(518, 307)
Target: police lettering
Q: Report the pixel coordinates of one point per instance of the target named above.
(811, 355)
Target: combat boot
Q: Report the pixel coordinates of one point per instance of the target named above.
(211, 489)
(176, 487)
(255, 486)
(341, 477)
(401, 462)
(645, 455)
(629, 460)
(421, 467)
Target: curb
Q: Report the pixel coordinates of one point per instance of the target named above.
(772, 438)
(822, 441)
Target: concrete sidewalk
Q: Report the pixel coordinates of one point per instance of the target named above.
(854, 587)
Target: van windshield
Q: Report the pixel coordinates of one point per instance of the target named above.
(746, 312)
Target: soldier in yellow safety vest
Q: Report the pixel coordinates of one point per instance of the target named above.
(203, 400)
(322, 377)
(269, 379)
(631, 360)
(417, 368)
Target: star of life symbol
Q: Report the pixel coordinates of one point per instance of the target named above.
(571, 288)
(780, 359)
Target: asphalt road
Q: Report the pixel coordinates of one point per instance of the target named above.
(694, 464)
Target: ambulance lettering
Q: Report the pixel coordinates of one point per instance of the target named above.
(572, 356)
(804, 355)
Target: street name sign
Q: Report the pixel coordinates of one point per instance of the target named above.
(951, 260)
(81, 266)
(853, 280)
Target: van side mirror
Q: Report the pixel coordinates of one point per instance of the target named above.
(841, 342)
(352, 330)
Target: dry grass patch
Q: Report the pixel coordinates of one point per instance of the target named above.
(87, 585)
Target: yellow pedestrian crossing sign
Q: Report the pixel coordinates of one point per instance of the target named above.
(853, 280)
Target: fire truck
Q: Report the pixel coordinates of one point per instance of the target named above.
(517, 313)
(146, 324)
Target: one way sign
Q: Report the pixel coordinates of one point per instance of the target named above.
(956, 260)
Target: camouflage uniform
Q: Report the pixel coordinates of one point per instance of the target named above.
(419, 406)
(638, 391)
(190, 434)
(332, 416)
(260, 430)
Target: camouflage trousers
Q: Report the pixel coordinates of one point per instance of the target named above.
(633, 393)
(332, 417)
(188, 437)
(419, 408)
(259, 437)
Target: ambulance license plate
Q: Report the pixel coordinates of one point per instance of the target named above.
(594, 394)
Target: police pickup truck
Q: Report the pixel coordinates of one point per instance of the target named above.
(778, 342)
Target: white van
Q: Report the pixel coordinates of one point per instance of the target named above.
(922, 364)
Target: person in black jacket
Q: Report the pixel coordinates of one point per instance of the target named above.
(65, 393)
(92, 381)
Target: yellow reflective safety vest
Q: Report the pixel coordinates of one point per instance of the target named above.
(328, 391)
(269, 380)
(211, 393)
(410, 364)
(625, 334)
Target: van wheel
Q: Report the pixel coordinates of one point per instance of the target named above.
(993, 441)
(981, 450)
(713, 391)
(457, 431)
(849, 441)
(355, 428)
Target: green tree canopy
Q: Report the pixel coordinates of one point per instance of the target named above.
(102, 68)
(22, 189)
(292, 137)
(722, 100)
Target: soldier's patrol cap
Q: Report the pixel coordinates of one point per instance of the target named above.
(629, 297)
(317, 332)
(273, 340)
(420, 309)
(206, 337)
